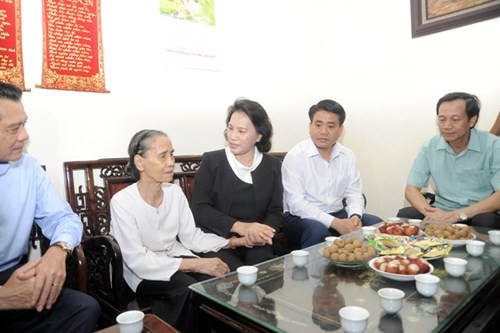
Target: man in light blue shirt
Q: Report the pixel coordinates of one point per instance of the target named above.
(32, 297)
(464, 164)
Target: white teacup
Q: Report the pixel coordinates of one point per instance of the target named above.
(394, 219)
(391, 299)
(427, 284)
(354, 319)
(367, 230)
(247, 275)
(455, 266)
(130, 321)
(494, 236)
(299, 257)
(330, 239)
(474, 247)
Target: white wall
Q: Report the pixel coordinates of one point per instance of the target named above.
(286, 54)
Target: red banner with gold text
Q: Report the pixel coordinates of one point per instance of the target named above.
(11, 51)
(72, 45)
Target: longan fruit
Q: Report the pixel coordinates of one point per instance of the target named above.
(349, 247)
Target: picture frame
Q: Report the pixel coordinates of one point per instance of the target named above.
(431, 16)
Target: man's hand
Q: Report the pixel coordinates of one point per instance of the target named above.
(17, 292)
(345, 226)
(49, 279)
(436, 215)
(257, 233)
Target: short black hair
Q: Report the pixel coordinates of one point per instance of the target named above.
(10, 91)
(472, 103)
(328, 105)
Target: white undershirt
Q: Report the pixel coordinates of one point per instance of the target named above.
(241, 171)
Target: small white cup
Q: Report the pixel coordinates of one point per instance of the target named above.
(368, 230)
(494, 236)
(455, 266)
(130, 321)
(474, 247)
(394, 219)
(354, 319)
(427, 284)
(299, 257)
(391, 299)
(247, 275)
(330, 239)
(416, 222)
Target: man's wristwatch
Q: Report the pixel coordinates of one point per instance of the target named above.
(463, 216)
(65, 246)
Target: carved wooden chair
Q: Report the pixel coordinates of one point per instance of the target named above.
(89, 188)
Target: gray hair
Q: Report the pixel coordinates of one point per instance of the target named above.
(139, 145)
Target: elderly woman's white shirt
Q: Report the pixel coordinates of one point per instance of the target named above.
(148, 235)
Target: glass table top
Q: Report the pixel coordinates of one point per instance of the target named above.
(287, 298)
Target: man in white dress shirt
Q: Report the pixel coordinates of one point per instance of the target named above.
(322, 186)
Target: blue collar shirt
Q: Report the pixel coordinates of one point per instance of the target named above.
(26, 195)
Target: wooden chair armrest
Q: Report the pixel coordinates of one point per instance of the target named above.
(105, 267)
(155, 324)
(80, 268)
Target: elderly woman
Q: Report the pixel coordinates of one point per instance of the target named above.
(153, 224)
(238, 190)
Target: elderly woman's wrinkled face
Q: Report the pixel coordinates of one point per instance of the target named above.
(157, 163)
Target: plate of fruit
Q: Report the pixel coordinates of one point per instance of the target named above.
(350, 252)
(399, 228)
(457, 234)
(400, 268)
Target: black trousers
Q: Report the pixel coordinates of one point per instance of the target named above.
(487, 220)
(172, 300)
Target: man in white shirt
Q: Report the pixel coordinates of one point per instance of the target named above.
(322, 186)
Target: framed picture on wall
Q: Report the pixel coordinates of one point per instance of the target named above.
(431, 16)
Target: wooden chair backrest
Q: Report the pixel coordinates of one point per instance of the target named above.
(91, 184)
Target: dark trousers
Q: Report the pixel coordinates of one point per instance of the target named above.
(487, 220)
(309, 232)
(240, 256)
(73, 312)
(172, 300)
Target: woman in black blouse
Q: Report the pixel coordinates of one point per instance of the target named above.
(238, 190)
